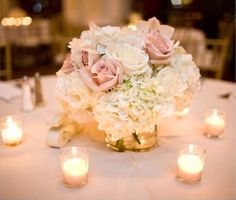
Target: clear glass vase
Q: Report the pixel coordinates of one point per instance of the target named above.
(138, 143)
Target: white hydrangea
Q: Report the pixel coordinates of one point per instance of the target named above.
(140, 102)
(132, 107)
(73, 91)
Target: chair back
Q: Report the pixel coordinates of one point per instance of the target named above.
(209, 54)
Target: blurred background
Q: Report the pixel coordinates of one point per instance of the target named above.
(34, 33)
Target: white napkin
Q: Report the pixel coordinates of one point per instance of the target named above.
(59, 137)
(61, 130)
(8, 91)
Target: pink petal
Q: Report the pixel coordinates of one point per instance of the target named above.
(97, 65)
(99, 80)
(92, 58)
(96, 68)
(103, 78)
(153, 23)
(155, 53)
(109, 84)
(86, 75)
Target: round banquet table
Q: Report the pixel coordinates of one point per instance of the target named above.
(32, 170)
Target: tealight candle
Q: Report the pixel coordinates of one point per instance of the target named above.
(214, 123)
(190, 163)
(11, 130)
(182, 113)
(74, 164)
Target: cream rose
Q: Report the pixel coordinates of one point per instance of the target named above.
(72, 90)
(145, 27)
(103, 75)
(135, 60)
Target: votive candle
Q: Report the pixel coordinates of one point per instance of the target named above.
(11, 130)
(214, 123)
(190, 163)
(74, 164)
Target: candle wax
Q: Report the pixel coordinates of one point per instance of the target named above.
(214, 125)
(75, 171)
(190, 168)
(12, 134)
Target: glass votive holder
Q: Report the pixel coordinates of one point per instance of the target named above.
(214, 123)
(190, 163)
(11, 130)
(182, 113)
(74, 165)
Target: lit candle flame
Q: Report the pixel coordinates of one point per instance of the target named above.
(74, 151)
(10, 121)
(191, 147)
(215, 112)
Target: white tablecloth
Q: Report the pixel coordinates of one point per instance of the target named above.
(31, 170)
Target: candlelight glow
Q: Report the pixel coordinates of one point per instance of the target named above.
(182, 113)
(26, 21)
(132, 27)
(74, 151)
(75, 167)
(214, 123)
(16, 21)
(12, 132)
(9, 121)
(74, 163)
(190, 163)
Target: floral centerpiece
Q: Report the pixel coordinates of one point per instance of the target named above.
(127, 80)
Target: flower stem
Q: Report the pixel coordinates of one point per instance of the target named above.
(120, 145)
(136, 137)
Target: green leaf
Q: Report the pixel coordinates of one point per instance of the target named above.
(136, 137)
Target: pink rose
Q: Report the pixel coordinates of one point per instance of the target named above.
(154, 24)
(83, 58)
(67, 66)
(145, 27)
(158, 47)
(103, 75)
